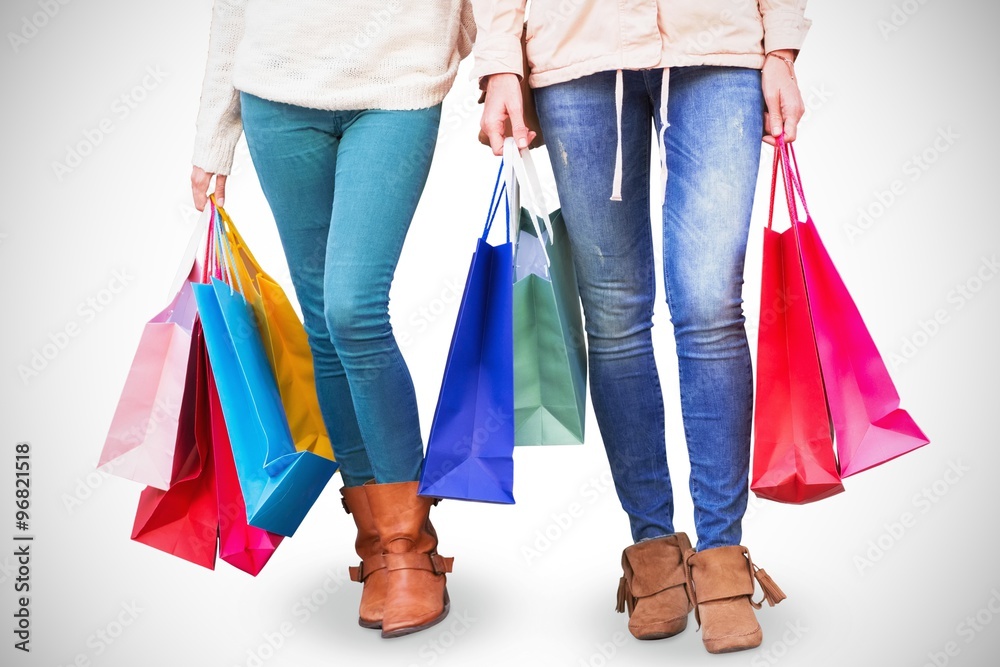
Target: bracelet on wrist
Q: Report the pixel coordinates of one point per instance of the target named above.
(788, 62)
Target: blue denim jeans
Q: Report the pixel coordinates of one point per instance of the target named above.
(343, 187)
(713, 139)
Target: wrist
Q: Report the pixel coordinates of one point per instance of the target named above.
(780, 55)
(791, 54)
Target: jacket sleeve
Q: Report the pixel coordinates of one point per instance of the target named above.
(785, 24)
(498, 40)
(219, 125)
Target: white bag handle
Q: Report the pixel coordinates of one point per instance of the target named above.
(524, 173)
(190, 256)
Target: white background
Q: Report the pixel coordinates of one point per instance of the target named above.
(877, 98)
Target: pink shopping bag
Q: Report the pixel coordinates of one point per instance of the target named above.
(870, 426)
(143, 432)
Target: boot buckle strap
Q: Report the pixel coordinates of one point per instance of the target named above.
(440, 564)
(366, 568)
(434, 563)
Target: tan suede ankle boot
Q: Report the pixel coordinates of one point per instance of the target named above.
(416, 597)
(653, 587)
(371, 572)
(721, 583)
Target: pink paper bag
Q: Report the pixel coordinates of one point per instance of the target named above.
(870, 426)
(143, 432)
(240, 544)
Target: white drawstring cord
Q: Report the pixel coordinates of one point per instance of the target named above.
(664, 124)
(616, 186)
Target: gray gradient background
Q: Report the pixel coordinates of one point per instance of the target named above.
(875, 101)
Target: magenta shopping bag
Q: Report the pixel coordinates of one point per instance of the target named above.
(870, 426)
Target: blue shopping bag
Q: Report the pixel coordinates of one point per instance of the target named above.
(279, 484)
(471, 444)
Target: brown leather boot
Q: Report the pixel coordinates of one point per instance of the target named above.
(371, 572)
(654, 587)
(720, 581)
(416, 597)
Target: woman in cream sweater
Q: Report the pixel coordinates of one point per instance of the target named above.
(712, 76)
(340, 103)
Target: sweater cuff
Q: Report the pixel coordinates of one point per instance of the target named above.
(215, 154)
(784, 30)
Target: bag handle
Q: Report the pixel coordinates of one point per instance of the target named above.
(784, 156)
(224, 259)
(499, 190)
(519, 161)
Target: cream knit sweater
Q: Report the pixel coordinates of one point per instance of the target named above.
(326, 54)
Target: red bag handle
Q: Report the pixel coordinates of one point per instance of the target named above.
(784, 155)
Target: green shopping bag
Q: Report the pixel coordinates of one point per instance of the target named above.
(550, 355)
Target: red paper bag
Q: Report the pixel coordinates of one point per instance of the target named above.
(793, 460)
(184, 519)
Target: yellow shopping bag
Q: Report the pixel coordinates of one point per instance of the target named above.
(285, 343)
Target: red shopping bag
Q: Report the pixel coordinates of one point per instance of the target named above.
(870, 426)
(184, 519)
(793, 459)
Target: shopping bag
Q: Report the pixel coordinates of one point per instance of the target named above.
(793, 457)
(550, 355)
(183, 520)
(279, 484)
(471, 443)
(286, 346)
(240, 544)
(870, 426)
(143, 431)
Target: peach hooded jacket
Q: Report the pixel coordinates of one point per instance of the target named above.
(568, 39)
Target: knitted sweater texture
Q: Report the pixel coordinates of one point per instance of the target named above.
(326, 54)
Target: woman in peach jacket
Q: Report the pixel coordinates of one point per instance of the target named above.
(712, 77)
